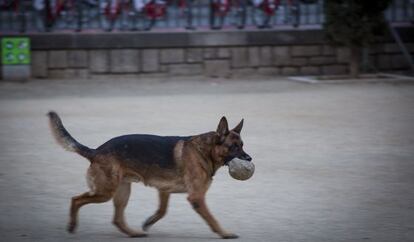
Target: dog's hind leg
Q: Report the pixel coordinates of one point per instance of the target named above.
(162, 210)
(81, 200)
(102, 185)
(120, 202)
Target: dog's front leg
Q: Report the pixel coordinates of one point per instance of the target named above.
(199, 204)
(197, 181)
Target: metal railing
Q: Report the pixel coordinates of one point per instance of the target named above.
(139, 15)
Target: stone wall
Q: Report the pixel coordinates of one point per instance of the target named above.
(222, 54)
(214, 62)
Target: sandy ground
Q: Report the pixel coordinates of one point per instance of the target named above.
(333, 162)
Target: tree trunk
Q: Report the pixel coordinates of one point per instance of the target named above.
(354, 61)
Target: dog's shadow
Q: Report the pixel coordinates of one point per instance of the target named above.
(161, 236)
(181, 237)
(86, 234)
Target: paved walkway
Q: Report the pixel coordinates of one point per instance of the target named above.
(333, 162)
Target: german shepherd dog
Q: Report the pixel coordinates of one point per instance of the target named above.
(171, 164)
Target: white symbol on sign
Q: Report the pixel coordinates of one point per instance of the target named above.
(9, 57)
(9, 45)
(22, 57)
(23, 45)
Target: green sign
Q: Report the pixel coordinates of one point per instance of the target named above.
(15, 51)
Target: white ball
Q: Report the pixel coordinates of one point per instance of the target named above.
(241, 169)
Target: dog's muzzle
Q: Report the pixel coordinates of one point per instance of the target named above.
(245, 157)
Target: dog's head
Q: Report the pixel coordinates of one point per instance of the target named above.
(229, 144)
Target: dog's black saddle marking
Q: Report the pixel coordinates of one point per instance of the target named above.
(143, 149)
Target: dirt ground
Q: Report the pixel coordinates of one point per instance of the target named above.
(334, 162)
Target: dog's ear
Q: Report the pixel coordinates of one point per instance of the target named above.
(223, 127)
(239, 127)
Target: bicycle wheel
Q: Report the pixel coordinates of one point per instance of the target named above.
(241, 14)
(188, 13)
(109, 12)
(260, 18)
(132, 17)
(217, 14)
(69, 13)
(106, 23)
(148, 23)
(295, 13)
(88, 12)
(152, 12)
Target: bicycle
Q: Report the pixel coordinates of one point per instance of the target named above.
(152, 11)
(111, 11)
(219, 9)
(88, 11)
(265, 10)
(155, 10)
(52, 11)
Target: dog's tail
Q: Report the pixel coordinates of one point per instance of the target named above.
(63, 137)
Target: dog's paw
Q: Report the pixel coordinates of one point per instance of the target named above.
(71, 228)
(229, 236)
(146, 226)
(148, 223)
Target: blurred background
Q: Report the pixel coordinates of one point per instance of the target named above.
(325, 88)
(110, 15)
(217, 38)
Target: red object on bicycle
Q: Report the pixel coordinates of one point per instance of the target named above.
(53, 13)
(182, 3)
(221, 7)
(155, 10)
(269, 7)
(112, 12)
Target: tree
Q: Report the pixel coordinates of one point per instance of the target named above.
(354, 24)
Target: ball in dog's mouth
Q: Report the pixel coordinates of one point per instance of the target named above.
(240, 169)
